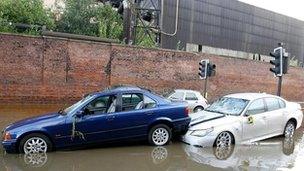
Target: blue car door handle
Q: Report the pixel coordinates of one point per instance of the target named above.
(149, 113)
(111, 117)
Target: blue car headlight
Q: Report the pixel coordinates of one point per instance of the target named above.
(202, 132)
(6, 136)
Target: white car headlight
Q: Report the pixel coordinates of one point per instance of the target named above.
(202, 132)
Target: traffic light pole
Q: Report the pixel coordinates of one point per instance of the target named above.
(279, 86)
(205, 88)
(280, 63)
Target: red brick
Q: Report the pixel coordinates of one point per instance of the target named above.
(49, 70)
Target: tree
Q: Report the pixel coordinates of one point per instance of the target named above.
(110, 23)
(5, 26)
(29, 12)
(145, 37)
(87, 17)
(79, 17)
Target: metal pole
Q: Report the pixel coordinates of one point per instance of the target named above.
(205, 88)
(127, 24)
(134, 19)
(279, 86)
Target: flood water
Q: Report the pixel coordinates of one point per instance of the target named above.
(273, 154)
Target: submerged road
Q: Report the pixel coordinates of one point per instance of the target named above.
(273, 154)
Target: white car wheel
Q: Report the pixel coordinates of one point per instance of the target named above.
(197, 109)
(224, 139)
(222, 153)
(289, 129)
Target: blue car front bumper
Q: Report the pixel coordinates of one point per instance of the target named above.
(10, 146)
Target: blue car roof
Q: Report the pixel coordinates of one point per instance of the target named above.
(118, 89)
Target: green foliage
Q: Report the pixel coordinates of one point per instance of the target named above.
(110, 23)
(5, 25)
(29, 12)
(145, 37)
(79, 18)
(87, 17)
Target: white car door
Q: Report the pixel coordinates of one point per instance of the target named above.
(275, 116)
(255, 120)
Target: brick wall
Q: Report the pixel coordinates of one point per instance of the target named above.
(48, 70)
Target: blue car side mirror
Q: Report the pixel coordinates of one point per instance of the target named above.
(79, 113)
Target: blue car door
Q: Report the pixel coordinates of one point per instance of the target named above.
(132, 118)
(93, 125)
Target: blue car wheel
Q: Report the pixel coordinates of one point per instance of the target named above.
(160, 135)
(35, 143)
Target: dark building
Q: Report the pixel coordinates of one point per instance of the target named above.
(230, 24)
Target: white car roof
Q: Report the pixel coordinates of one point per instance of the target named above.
(250, 96)
(185, 90)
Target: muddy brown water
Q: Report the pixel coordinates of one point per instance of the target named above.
(273, 154)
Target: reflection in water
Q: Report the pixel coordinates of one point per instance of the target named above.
(222, 153)
(108, 158)
(269, 154)
(273, 154)
(266, 155)
(35, 160)
(159, 155)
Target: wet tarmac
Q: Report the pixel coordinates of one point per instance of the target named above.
(273, 154)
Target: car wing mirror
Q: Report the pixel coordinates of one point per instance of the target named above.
(79, 113)
(247, 113)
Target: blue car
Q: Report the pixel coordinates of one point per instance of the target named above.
(113, 115)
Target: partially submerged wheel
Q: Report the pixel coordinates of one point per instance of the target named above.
(35, 143)
(159, 135)
(223, 153)
(289, 129)
(224, 139)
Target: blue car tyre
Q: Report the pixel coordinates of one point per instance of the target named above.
(35, 143)
(160, 135)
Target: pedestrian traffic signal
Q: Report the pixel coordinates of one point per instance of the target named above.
(203, 68)
(277, 62)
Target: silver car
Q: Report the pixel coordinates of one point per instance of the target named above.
(243, 118)
(194, 99)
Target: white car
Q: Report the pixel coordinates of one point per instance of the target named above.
(194, 99)
(243, 118)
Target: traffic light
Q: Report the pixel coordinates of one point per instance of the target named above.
(211, 70)
(277, 54)
(203, 68)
